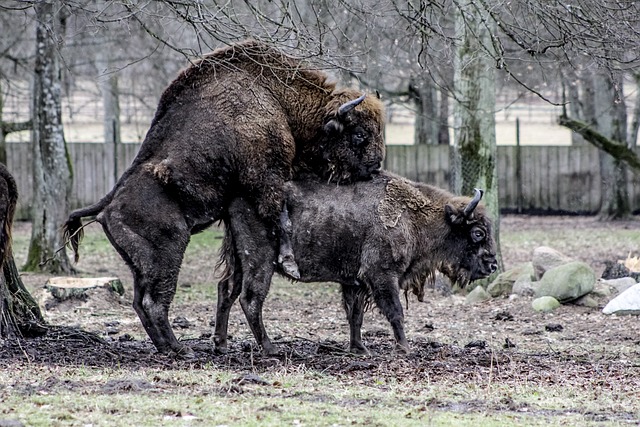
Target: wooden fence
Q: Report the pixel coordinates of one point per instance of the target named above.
(552, 178)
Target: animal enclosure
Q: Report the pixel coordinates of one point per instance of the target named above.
(553, 178)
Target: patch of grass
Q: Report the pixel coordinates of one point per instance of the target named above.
(113, 397)
(205, 243)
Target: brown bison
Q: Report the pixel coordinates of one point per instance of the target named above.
(241, 121)
(375, 238)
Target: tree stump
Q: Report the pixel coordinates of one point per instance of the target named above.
(64, 288)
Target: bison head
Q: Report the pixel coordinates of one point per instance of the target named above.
(471, 247)
(350, 145)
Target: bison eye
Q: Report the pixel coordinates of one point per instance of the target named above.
(358, 138)
(477, 234)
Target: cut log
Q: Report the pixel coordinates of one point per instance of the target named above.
(63, 288)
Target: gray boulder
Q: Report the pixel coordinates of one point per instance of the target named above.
(619, 285)
(545, 304)
(567, 282)
(587, 301)
(524, 286)
(546, 258)
(503, 283)
(628, 302)
(478, 294)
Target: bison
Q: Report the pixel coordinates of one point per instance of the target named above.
(241, 121)
(375, 238)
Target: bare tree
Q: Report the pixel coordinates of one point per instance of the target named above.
(51, 164)
(475, 150)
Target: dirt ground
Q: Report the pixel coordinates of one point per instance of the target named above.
(573, 346)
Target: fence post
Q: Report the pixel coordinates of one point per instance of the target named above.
(519, 202)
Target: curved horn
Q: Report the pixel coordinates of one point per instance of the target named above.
(468, 210)
(350, 105)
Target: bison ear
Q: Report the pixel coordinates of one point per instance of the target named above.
(453, 215)
(333, 127)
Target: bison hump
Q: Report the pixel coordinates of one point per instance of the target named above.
(399, 196)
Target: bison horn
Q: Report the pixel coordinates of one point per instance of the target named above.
(468, 210)
(350, 105)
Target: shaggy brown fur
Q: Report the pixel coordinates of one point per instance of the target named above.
(375, 238)
(240, 121)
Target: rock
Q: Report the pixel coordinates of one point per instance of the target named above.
(546, 258)
(602, 290)
(619, 285)
(545, 304)
(567, 282)
(503, 284)
(477, 295)
(63, 288)
(586, 301)
(627, 303)
(524, 286)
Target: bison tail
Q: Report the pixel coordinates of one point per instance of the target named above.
(73, 232)
(227, 256)
(73, 229)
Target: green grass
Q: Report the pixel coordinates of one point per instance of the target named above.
(41, 396)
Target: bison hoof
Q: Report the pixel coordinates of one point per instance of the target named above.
(289, 266)
(359, 350)
(219, 349)
(184, 353)
(403, 349)
(270, 351)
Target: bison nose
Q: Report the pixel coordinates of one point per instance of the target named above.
(493, 267)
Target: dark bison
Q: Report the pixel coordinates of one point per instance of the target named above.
(375, 238)
(241, 121)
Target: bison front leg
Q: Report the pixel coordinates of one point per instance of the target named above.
(353, 298)
(386, 297)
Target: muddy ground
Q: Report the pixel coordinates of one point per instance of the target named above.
(503, 338)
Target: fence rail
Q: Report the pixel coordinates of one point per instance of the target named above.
(552, 178)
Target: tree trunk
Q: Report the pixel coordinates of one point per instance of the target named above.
(474, 149)
(443, 129)
(51, 162)
(423, 94)
(111, 103)
(19, 312)
(635, 123)
(611, 122)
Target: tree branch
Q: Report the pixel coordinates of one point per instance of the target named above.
(9, 127)
(616, 149)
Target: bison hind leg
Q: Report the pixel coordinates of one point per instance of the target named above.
(153, 250)
(354, 299)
